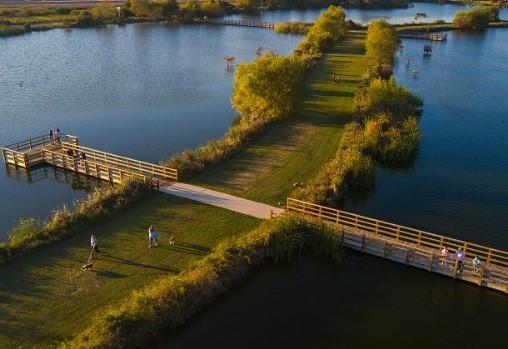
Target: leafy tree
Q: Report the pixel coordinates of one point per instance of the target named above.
(381, 43)
(103, 11)
(327, 29)
(267, 88)
(477, 18)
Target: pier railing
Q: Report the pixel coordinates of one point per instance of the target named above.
(423, 239)
(121, 164)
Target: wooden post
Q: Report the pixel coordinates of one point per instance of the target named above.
(398, 232)
(480, 277)
(30, 144)
(356, 221)
(4, 154)
(376, 230)
(419, 237)
(455, 268)
(489, 255)
(25, 159)
(86, 167)
(431, 261)
(337, 220)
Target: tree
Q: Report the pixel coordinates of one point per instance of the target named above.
(477, 18)
(103, 11)
(327, 29)
(381, 43)
(267, 88)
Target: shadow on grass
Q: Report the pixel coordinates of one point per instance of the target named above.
(140, 265)
(187, 248)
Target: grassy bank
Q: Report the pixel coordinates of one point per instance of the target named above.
(45, 297)
(292, 151)
(171, 300)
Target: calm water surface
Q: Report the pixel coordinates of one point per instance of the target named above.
(396, 16)
(458, 186)
(143, 90)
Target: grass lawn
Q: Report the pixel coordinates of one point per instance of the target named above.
(294, 150)
(45, 297)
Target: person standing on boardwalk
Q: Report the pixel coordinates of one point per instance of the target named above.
(152, 236)
(444, 255)
(94, 246)
(460, 259)
(51, 136)
(477, 263)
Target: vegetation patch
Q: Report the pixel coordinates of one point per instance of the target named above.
(30, 234)
(171, 300)
(387, 133)
(292, 27)
(476, 18)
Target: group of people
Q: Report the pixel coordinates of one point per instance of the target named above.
(153, 236)
(54, 135)
(459, 255)
(76, 154)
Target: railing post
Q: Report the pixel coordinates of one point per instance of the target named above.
(419, 238)
(489, 255)
(356, 221)
(25, 159)
(376, 231)
(398, 233)
(30, 144)
(337, 220)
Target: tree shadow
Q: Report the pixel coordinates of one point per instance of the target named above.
(108, 273)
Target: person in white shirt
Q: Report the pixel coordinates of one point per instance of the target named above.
(444, 255)
(152, 237)
(94, 246)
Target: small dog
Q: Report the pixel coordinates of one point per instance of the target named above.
(171, 240)
(87, 266)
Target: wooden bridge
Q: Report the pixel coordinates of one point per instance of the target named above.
(413, 247)
(244, 23)
(66, 153)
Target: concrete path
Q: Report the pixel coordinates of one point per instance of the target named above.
(216, 198)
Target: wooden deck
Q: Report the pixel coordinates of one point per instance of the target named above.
(69, 155)
(413, 247)
(244, 23)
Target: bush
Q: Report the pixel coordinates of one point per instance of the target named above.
(386, 96)
(381, 44)
(155, 8)
(170, 301)
(327, 29)
(84, 18)
(292, 27)
(477, 18)
(100, 204)
(103, 11)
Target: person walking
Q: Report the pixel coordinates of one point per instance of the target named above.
(51, 136)
(94, 246)
(152, 237)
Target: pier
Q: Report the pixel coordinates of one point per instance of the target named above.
(423, 36)
(413, 247)
(66, 153)
(244, 23)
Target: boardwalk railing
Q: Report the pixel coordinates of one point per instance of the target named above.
(244, 23)
(123, 165)
(18, 153)
(423, 247)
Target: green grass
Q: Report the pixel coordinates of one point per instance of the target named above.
(45, 298)
(294, 150)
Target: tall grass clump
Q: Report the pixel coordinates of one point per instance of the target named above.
(96, 207)
(170, 301)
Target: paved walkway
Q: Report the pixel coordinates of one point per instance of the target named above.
(216, 198)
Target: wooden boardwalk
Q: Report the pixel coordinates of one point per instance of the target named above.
(69, 155)
(390, 241)
(413, 247)
(244, 23)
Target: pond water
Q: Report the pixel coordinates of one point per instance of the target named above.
(143, 90)
(434, 12)
(458, 186)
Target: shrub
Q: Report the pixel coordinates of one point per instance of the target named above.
(170, 301)
(212, 8)
(386, 96)
(155, 8)
(84, 19)
(100, 204)
(292, 27)
(477, 18)
(103, 11)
